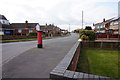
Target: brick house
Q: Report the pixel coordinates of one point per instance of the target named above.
(16, 28)
(24, 28)
(107, 28)
(50, 30)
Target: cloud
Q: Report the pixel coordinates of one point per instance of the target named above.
(59, 12)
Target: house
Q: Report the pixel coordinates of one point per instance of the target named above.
(5, 26)
(24, 28)
(107, 28)
(50, 30)
(16, 28)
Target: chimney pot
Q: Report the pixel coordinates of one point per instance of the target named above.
(104, 20)
(26, 24)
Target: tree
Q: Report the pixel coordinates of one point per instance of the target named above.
(88, 28)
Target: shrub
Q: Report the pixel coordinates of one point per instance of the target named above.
(91, 34)
(33, 34)
(84, 37)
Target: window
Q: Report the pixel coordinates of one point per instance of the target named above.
(1, 32)
(111, 24)
(110, 31)
(102, 27)
(3, 22)
(116, 23)
(19, 30)
(97, 27)
(115, 32)
(30, 31)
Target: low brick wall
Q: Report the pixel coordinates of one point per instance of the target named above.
(62, 72)
(17, 37)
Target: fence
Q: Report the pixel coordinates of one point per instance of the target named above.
(107, 36)
(64, 69)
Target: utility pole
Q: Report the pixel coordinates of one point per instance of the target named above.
(82, 19)
(69, 27)
(119, 20)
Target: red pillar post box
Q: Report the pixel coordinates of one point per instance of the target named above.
(39, 38)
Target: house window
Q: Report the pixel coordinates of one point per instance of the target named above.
(30, 31)
(19, 30)
(111, 24)
(116, 23)
(97, 27)
(110, 31)
(115, 32)
(3, 22)
(102, 27)
(1, 32)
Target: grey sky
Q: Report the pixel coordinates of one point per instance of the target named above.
(59, 12)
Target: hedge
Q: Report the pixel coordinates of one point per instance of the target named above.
(87, 33)
(33, 34)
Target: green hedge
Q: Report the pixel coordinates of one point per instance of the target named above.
(89, 33)
(33, 34)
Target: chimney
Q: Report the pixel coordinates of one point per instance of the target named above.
(26, 24)
(104, 20)
(46, 25)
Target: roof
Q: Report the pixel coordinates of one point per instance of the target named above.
(49, 27)
(6, 27)
(115, 18)
(107, 21)
(3, 17)
(22, 25)
(42, 27)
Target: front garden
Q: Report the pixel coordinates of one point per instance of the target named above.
(102, 62)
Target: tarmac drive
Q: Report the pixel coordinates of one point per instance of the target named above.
(32, 62)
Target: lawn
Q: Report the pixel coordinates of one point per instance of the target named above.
(98, 62)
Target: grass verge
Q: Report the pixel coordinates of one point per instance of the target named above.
(19, 40)
(99, 62)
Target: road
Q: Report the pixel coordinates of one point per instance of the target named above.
(24, 60)
(11, 50)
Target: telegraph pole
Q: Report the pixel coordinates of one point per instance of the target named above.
(69, 27)
(82, 19)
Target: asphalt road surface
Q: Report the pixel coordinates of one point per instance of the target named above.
(25, 60)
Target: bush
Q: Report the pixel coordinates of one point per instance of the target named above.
(33, 34)
(91, 34)
(84, 37)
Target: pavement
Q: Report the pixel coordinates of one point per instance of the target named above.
(38, 63)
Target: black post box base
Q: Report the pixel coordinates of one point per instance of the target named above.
(39, 45)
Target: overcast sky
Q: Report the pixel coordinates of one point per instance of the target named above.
(60, 12)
